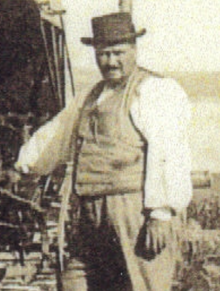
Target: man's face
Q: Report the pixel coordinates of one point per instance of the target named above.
(116, 62)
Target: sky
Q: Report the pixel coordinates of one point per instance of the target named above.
(182, 35)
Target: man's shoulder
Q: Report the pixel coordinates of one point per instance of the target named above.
(154, 90)
(146, 73)
(155, 82)
(143, 74)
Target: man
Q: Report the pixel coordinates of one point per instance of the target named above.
(131, 176)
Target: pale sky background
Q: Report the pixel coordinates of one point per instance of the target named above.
(183, 35)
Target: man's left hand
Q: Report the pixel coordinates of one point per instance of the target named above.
(155, 235)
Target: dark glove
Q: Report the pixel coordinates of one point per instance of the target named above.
(156, 234)
(152, 238)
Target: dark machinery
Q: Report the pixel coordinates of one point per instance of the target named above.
(33, 56)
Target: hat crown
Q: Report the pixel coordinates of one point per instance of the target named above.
(112, 27)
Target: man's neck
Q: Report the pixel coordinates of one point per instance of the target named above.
(116, 84)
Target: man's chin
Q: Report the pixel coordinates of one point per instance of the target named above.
(112, 82)
(115, 78)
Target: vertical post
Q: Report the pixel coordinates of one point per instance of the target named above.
(125, 6)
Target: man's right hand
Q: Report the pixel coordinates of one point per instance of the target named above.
(24, 169)
(9, 177)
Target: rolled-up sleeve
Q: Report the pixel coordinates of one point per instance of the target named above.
(162, 114)
(50, 145)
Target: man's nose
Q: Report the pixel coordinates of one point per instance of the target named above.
(112, 60)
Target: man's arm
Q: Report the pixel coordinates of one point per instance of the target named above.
(50, 145)
(162, 115)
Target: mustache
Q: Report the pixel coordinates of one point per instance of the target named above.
(109, 68)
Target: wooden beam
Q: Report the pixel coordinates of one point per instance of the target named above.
(125, 6)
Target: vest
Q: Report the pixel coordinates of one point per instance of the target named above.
(110, 155)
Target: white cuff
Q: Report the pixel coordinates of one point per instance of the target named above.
(161, 214)
(22, 168)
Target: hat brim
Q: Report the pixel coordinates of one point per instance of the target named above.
(125, 38)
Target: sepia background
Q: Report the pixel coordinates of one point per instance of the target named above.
(183, 42)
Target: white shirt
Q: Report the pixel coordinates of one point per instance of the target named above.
(161, 113)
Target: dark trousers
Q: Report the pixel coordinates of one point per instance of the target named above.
(102, 249)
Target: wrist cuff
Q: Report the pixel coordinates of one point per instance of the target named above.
(161, 214)
(24, 169)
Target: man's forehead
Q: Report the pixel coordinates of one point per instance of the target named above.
(117, 47)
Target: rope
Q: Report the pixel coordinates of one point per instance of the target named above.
(49, 61)
(67, 57)
(56, 63)
(61, 52)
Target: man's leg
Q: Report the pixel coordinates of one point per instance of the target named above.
(109, 230)
(97, 262)
(125, 214)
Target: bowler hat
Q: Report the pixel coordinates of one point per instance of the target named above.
(112, 29)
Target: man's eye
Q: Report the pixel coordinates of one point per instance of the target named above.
(102, 54)
(118, 53)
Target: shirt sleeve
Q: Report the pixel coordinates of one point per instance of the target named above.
(50, 144)
(162, 114)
